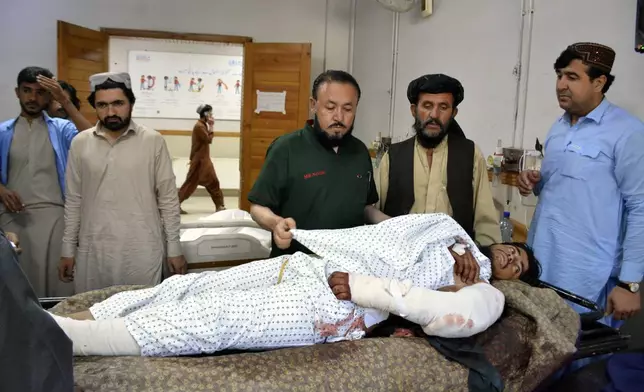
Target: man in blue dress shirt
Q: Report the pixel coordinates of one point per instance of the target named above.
(33, 158)
(588, 227)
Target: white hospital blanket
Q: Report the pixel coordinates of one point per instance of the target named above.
(245, 308)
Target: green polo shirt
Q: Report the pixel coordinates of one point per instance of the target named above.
(314, 185)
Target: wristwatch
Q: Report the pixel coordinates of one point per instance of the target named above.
(632, 287)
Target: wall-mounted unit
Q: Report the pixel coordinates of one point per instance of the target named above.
(426, 7)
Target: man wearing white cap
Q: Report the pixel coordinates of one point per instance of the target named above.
(122, 207)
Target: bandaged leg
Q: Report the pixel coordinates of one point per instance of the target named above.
(464, 313)
(106, 337)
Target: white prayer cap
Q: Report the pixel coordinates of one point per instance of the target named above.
(118, 77)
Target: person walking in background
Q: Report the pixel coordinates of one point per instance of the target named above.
(201, 171)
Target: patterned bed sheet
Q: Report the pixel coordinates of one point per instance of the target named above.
(535, 336)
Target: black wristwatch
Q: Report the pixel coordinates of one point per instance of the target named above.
(631, 287)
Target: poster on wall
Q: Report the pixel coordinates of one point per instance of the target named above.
(173, 85)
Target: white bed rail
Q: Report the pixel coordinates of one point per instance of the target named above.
(220, 224)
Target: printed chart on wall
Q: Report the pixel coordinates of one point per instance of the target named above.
(173, 85)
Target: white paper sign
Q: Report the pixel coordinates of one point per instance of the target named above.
(271, 102)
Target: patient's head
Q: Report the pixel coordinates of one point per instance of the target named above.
(513, 260)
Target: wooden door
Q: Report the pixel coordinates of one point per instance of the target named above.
(271, 67)
(82, 52)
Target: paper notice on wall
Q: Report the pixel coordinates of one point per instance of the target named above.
(271, 102)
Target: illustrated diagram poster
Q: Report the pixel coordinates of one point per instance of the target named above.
(173, 85)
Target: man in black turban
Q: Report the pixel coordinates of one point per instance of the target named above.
(439, 169)
(431, 127)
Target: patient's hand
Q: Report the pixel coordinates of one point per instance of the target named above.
(466, 267)
(339, 283)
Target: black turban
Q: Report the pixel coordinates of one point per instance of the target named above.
(435, 84)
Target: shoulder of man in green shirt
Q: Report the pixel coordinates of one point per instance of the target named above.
(299, 151)
(273, 178)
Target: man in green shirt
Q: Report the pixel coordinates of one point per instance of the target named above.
(320, 176)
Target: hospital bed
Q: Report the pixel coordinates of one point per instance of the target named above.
(222, 240)
(537, 334)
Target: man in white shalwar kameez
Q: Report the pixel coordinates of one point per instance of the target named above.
(286, 301)
(122, 208)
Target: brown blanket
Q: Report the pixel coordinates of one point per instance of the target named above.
(535, 336)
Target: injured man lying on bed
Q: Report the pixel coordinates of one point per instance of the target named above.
(397, 267)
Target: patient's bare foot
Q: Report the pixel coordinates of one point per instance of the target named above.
(220, 208)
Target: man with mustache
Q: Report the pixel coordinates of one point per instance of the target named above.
(33, 157)
(439, 170)
(591, 188)
(122, 207)
(320, 176)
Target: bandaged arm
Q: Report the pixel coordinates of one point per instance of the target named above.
(464, 313)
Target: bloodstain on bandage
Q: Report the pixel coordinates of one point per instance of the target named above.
(458, 320)
(328, 329)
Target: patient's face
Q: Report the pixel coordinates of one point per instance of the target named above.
(508, 261)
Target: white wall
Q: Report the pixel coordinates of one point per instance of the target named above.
(560, 23)
(31, 24)
(474, 41)
(372, 68)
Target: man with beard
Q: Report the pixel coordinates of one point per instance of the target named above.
(320, 176)
(122, 202)
(439, 170)
(65, 103)
(591, 189)
(33, 157)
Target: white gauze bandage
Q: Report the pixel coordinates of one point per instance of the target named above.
(464, 313)
(104, 337)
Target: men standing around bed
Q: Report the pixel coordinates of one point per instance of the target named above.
(321, 176)
(33, 156)
(122, 208)
(439, 170)
(588, 227)
(201, 171)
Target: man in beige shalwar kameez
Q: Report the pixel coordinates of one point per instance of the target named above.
(122, 208)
